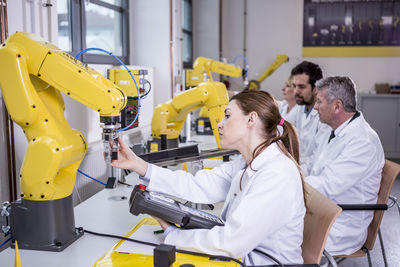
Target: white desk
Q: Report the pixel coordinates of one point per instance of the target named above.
(104, 213)
(100, 213)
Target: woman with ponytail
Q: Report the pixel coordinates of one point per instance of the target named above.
(262, 189)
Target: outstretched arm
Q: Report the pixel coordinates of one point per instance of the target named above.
(129, 160)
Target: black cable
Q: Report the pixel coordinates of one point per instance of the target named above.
(187, 251)
(145, 94)
(124, 183)
(148, 91)
(269, 256)
(211, 256)
(155, 245)
(117, 236)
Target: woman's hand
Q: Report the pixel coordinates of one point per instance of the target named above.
(129, 160)
(164, 225)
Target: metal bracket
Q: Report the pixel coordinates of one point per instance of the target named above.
(4, 217)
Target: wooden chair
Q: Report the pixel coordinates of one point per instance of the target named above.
(389, 173)
(321, 213)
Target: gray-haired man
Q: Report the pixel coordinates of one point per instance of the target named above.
(348, 167)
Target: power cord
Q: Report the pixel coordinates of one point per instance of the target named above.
(80, 229)
(155, 245)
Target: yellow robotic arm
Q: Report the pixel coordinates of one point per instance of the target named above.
(211, 96)
(204, 66)
(33, 72)
(207, 65)
(280, 59)
(168, 118)
(202, 69)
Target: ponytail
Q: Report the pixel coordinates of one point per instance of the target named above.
(267, 109)
(287, 142)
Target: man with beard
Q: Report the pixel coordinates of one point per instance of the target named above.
(311, 131)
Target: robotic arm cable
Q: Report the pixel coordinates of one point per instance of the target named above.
(138, 97)
(246, 71)
(123, 64)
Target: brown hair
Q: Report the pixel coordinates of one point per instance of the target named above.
(267, 109)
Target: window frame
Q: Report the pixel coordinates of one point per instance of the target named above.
(77, 18)
(187, 64)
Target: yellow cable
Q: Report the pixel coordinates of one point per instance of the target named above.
(17, 258)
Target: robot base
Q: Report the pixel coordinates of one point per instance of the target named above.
(43, 225)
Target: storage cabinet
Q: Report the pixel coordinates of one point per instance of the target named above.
(382, 112)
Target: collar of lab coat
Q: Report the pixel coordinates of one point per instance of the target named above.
(312, 113)
(266, 155)
(346, 126)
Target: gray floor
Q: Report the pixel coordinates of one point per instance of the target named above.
(390, 229)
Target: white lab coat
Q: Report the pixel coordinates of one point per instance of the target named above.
(267, 214)
(312, 133)
(348, 171)
(283, 106)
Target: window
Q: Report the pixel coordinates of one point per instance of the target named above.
(187, 34)
(94, 23)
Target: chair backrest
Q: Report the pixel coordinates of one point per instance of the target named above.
(321, 213)
(389, 173)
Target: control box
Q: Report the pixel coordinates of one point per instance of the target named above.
(123, 80)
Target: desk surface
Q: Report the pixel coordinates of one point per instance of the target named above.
(104, 212)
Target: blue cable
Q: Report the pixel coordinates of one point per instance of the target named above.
(2, 244)
(122, 63)
(138, 97)
(81, 172)
(245, 61)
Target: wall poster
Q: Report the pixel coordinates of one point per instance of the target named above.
(351, 28)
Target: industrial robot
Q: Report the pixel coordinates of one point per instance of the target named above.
(280, 59)
(33, 74)
(169, 118)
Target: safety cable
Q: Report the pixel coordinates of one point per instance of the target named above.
(185, 251)
(123, 64)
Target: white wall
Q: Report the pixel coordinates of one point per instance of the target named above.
(150, 35)
(275, 27)
(33, 16)
(205, 29)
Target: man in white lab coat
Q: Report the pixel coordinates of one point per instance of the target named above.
(348, 167)
(309, 128)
